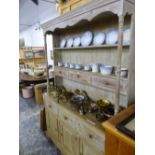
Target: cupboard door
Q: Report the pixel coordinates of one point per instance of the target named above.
(67, 139)
(53, 127)
(90, 150)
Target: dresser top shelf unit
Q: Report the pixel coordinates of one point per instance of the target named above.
(89, 12)
(97, 16)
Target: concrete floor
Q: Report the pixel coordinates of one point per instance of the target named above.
(32, 140)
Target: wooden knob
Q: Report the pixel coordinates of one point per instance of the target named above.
(90, 136)
(78, 76)
(60, 72)
(50, 106)
(65, 117)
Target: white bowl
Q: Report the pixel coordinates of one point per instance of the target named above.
(60, 64)
(71, 65)
(78, 66)
(106, 70)
(124, 72)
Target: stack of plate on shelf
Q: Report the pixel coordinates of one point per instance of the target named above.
(99, 38)
(70, 42)
(76, 42)
(126, 36)
(112, 37)
(63, 43)
(86, 38)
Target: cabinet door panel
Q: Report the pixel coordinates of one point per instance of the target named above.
(68, 138)
(53, 121)
(91, 150)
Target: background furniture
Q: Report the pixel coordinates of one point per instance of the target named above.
(38, 89)
(116, 142)
(69, 5)
(33, 55)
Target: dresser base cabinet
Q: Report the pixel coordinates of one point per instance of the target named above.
(71, 134)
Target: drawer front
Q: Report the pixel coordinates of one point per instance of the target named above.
(61, 73)
(53, 108)
(95, 138)
(67, 119)
(102, 82)
(80, 77)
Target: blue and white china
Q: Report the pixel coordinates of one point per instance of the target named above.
(86, 38)
(63, 43)
(71, 65)
(106, 70)
(95, 68)
(77, 42)
(87, 67)
(99, 38)
(70, 42)
(60, 64)
(66, 65)
(112, 37)
(126, 36)
(124, 72)
(78, 66)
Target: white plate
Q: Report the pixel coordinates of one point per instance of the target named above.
(62, 43)
(70, 42)
(99, 39)
(76, 42)
(86, 38)
(126, 36)
(112, 37)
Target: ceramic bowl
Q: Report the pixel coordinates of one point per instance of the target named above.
(71, 65)
(87, 67)
(78, 66)
(124, 72)
(60, 64)
(106, 70)
(95, 68)
(66, 65)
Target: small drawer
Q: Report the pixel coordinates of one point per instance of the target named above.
(80, 77)
(103, 82)
(67, 119)
(61, 73)
(93, 137)
(52, 108)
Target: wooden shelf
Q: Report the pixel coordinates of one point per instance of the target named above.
(89, 47)
(89, 72)
(32, 49)
(106, 82)
(30, 59)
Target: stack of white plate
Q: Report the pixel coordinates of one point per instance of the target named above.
(86, 38)
(112, 37)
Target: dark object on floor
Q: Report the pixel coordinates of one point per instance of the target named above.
(43, 120)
